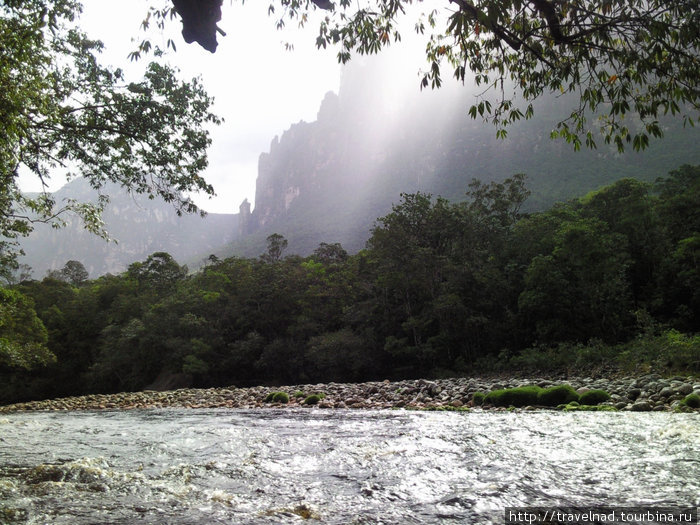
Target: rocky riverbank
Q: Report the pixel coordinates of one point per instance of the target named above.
(646, 393)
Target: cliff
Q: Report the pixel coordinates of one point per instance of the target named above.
(328, 180)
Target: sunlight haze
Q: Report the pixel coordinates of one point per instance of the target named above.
(259, 87)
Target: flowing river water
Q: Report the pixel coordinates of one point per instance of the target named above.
(179, 466)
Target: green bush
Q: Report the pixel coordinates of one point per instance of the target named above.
(277, 397)
(594, 397)
(299, 394)
(557, 395)
(669, 352)
(313, 399)
(281, 397)
(692, 401)
(541, 359)
(478, 398)
(516, 397)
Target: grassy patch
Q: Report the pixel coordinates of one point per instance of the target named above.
(557, 395)
(277, 397)
(588, 408)
(313, 399)
(478, 398)
(515, 397)
(594, 397)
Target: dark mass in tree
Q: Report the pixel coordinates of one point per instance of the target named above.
(199, 18)
(628, 62)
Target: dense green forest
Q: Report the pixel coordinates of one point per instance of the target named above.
(441, 288)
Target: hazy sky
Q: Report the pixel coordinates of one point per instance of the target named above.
(260, 88)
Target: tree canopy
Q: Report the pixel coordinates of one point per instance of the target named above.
(626, 63)
(61, 109)
(618, 57)
(441, 288)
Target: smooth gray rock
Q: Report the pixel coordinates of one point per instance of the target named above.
(667, 392)
(685, 389)
(641, 406)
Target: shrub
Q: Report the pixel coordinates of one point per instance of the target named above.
(541, 359)
(557, 395)
(281, 397)
(478, 398)
(313, 399)
(593, 354)
(516, 397)
(671, 351)
(594, 397)
(692, 401)
(299, 394)
(277, 397)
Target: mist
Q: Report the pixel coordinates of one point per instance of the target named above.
(321, 151)
(380, 135)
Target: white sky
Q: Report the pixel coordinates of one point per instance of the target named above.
(259, 87)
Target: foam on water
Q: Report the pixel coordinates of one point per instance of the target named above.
(224, 466)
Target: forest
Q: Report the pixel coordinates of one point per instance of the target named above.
(610, 280)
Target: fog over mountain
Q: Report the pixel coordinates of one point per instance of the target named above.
(328, 180)
(138, 225)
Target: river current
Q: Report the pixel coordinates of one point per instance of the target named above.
(178, 466)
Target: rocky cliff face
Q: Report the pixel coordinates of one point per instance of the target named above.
(328, 180)
(308, 158)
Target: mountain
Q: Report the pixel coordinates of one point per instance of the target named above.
(139, 225)
(328, 180)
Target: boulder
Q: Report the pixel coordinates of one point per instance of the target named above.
(685, 389)
(634, 393)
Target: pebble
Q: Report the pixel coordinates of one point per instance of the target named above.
(642, 394)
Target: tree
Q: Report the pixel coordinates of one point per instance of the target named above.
(579, 291)
(73, 272)
(61, 109)
(159, 272)
(276, 244)
(619, 58)
(627, 208)
(330, 253)
(679, 209)
(22, 334)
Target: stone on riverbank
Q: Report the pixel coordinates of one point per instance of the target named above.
(626, 393)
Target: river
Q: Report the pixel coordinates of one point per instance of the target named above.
(179, 466)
